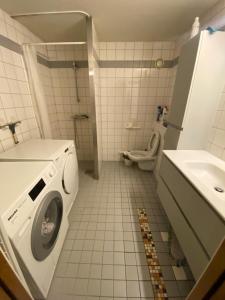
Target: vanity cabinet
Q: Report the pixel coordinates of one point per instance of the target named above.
(196, 224)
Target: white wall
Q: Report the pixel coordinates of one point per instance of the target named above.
(216, 144)
(216, 17)
(132, 94)
(15, 97)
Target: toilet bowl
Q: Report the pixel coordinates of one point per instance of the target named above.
(146, 159)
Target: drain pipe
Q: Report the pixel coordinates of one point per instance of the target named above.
(75, 76)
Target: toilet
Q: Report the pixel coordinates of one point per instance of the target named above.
(146, 159)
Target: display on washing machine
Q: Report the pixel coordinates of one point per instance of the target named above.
(37, 189)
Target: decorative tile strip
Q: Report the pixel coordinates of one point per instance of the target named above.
(155, 271)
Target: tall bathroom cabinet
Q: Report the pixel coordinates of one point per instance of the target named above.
(199, 83)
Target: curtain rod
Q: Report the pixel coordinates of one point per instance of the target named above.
(51, 13)
(55, 43)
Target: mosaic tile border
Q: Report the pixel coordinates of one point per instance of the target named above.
(156, 276)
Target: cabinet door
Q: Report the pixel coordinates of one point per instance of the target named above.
(195, 208)
(171, 138)
(183, 81)
(9, 279)
(190, 245)
(211, 285)
(4, 295)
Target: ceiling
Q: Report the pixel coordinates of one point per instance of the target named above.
(115, 20)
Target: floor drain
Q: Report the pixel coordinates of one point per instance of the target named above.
(219, 189)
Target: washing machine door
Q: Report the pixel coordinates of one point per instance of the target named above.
(69, 172)
(46, 225)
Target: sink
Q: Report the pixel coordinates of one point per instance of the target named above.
(205, 172)
(209, 174)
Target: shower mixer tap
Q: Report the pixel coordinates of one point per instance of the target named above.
(12, 128)
(76, 118)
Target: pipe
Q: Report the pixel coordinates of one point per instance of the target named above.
(51, 13)
(55, 43)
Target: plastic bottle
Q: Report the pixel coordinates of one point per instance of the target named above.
(195, 27)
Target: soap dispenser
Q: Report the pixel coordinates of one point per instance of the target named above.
(195, 27)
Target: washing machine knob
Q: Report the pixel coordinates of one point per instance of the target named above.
(51, 173)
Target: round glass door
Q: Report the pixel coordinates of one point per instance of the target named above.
(46, 225)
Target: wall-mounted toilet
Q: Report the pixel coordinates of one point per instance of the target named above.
(146, 159)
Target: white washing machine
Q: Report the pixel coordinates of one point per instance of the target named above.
(61, 152)
(31, 209)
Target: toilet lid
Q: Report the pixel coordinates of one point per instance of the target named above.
(153, 143)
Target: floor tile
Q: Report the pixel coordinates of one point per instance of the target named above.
(107, 288)
(107, 258)
(96, 257)
(143, 273)
(120, 289)
(130, 259)
(146, 289)
(119, 246)
(131, 273)
(86, 257)
(118, 258)
(133, 289)
(107, 271)
(129, 246)
(95, 271)
(94, 287)
(80, 287)
(104, 257)
(83, 271)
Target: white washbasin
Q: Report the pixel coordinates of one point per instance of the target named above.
(210, 175)
(205, 172)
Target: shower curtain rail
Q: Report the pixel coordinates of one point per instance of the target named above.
(51, 13)
(55, 43)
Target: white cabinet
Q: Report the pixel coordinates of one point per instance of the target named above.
(198, 86)
(197, 226)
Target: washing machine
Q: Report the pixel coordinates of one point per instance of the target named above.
(31, 209)
(61, 152)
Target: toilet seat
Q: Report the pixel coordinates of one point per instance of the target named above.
(145, 159)
(138, 155)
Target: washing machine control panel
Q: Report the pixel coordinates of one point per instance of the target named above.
(22, 209)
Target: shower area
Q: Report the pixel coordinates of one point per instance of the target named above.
(63, 78)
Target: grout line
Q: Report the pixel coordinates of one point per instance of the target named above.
(156, 276)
